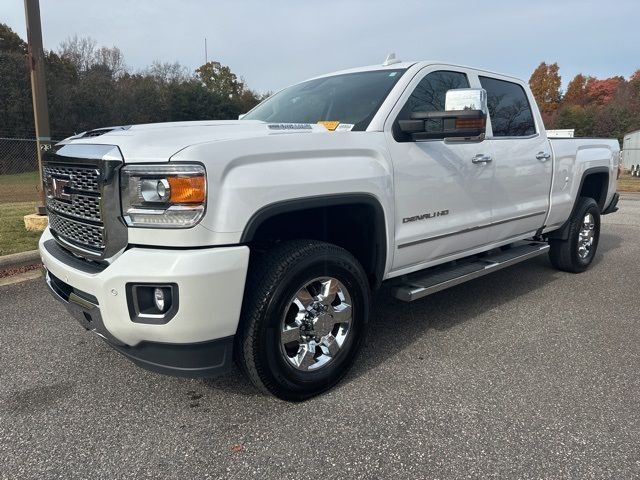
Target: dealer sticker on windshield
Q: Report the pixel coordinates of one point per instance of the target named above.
(330, 125)
(335, 126)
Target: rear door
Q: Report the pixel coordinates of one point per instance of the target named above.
(521, 157)
(441, 196)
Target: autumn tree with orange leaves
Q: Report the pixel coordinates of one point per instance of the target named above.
(576, 93)
(545, 84)
(608, 107)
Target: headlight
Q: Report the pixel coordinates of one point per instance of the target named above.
(163, 196)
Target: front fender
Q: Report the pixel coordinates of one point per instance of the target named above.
(247, 175)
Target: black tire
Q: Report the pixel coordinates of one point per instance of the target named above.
(564, 254)
(273, 279)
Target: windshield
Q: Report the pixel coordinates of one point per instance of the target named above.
(352, 99)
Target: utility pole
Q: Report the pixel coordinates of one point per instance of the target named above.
(206, 57)
(38, 87)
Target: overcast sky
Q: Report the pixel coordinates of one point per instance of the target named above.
(273, 43)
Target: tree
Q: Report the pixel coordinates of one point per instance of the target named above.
(577, 117)
(248, 99)
(601, 92)
(16, 114)
(576, 93)
(634, 84)
(220, 79)
(111, 58)
(10, 41)
(545, 84)
(62, 80)
(84, 54)
(79, 51)
(166, 72)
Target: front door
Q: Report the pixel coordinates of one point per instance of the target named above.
(441, 195)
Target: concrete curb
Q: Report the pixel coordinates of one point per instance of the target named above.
(19, 259)
(20, 277)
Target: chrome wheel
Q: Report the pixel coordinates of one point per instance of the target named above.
(586, 236)
(317, 324)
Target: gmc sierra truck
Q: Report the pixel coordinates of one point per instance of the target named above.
(189, 245)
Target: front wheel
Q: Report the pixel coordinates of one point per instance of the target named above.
(577, 252)
(304, 318)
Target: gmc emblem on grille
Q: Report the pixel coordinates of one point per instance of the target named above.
(58, 188)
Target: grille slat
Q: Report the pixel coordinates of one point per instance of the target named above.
(84, 179)
(84, 207)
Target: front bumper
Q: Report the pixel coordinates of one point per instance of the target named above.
(198, 339)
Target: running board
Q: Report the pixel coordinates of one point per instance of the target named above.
(420, 284)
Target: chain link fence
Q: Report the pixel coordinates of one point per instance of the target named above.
(19, 176)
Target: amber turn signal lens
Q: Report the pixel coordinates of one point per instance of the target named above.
(464, 123)
(187, 189)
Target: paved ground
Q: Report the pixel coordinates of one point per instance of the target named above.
(528, 373)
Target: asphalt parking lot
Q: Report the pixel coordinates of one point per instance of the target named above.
(526, 373)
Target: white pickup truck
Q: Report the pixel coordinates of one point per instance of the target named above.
(187, 245)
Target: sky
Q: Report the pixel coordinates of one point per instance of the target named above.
(274, 43)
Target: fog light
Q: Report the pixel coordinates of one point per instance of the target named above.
(152, 303)
(158, 296)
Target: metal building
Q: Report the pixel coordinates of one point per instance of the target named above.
(631, 150)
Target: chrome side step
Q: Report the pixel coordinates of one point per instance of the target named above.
(420, 284)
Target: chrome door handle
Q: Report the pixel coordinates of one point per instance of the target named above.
(543, 156)
(481, 158)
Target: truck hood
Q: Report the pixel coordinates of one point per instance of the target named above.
(157, 142)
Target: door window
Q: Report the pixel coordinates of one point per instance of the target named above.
(429, 96)
(509, 108)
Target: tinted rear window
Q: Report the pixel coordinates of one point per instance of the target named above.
(509, 108)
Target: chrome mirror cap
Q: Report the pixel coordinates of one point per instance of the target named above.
(466, 99)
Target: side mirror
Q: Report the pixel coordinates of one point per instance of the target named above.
(464, 118)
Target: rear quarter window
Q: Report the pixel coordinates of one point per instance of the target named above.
(509, 108)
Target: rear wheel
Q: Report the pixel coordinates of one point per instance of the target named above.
(304, 318)
(577, 252)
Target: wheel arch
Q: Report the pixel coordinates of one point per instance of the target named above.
(361, 216)
(595, 184)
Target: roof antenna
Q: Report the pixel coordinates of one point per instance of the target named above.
(390, 60)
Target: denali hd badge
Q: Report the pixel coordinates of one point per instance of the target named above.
(426, 216)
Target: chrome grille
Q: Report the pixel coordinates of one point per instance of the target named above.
(82, 188)
(76, 218)
(79, 233)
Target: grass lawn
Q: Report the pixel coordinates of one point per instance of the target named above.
(627, 183)
(14, 237)
(19, 187)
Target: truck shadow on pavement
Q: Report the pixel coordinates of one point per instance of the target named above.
(396, 325)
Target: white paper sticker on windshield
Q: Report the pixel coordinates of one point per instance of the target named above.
(344, 127)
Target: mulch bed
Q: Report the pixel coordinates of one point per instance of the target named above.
(7, 272)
